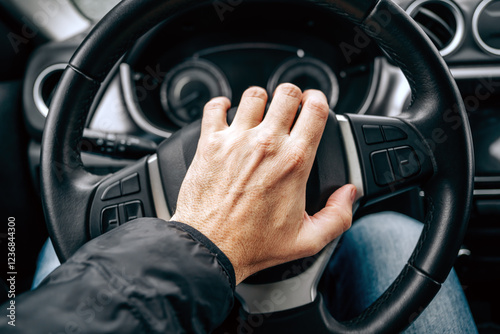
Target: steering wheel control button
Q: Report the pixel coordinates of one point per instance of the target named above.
(132, 210)
(109, 218)
(113, 191)
(382, 169)
(393, 133)
(373, 134)
(131, 185)
(407, 161)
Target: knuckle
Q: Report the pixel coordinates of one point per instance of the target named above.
(318, 108)
(213, 140)
(342, 218)
(264, 141)
(345, 218)
(297, 157)
(216, 104)
(207, 144)
(256, 92)
(290, 90)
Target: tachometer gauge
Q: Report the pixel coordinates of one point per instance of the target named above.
(307, 73)
(189, 86)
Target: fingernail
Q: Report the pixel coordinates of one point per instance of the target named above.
(353, 194)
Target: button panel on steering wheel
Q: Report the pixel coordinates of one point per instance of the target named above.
(392, 155)
(121, 198)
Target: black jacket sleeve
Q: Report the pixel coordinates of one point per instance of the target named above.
(148, 276)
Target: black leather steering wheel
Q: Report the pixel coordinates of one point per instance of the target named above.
(429, 146)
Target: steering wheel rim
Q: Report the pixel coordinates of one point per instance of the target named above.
(436, 114)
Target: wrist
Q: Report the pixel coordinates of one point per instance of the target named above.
(205, 241)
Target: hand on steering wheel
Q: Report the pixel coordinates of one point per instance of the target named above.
(246, 187)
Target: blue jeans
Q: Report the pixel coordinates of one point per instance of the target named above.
(368, 259)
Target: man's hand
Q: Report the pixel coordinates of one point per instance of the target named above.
(245, 189)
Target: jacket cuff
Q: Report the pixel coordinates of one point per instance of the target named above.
(223, 260)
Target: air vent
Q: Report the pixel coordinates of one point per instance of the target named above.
(485, 26)
(45, 87)
(442, 21)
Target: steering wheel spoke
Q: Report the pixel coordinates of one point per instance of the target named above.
(393, 156)
(124, 196)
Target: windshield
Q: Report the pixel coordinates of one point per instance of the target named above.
(95, 9)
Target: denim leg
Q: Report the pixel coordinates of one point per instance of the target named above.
(47, 262)
(370, 256)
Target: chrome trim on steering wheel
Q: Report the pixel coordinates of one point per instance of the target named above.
(351, 151)
(287, 294)
(160, 202)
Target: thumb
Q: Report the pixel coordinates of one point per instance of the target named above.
(333, 220)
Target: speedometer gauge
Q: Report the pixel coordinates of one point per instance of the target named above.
(189, 86)
(307, 73)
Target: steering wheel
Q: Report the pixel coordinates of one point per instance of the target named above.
(429, 145)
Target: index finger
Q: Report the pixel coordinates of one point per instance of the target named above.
(214, 115)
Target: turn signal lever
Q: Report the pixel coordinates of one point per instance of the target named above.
(116, 145)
